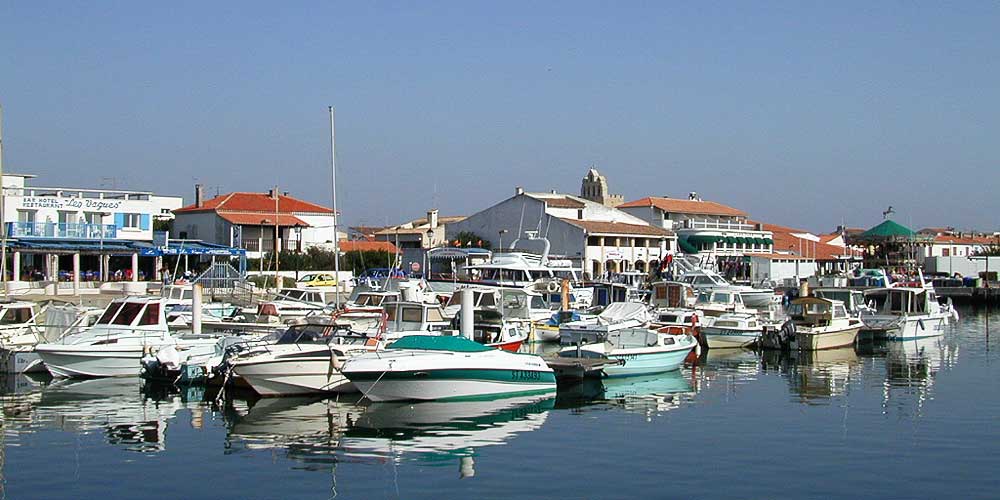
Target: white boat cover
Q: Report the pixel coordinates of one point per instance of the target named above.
(617, 312)
(57, 319)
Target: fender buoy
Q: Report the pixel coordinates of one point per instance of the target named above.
(552, 287)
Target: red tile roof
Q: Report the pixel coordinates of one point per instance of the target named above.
(256, 202)
(966, 240)
(785, 240)
(364, 246)
(563, 202)
(675, 205)
(258, 219)
(600, 227)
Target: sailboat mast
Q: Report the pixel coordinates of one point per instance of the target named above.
(333, 189)
(3, 224)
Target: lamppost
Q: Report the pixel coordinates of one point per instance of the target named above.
(427, 258)
(502, 232)
(100, 253)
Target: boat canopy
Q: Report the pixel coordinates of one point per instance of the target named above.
(616, 312)
(439, 343)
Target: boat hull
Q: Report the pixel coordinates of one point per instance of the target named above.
(647, 363)
(546, 333)
(720, 338)
(452, 384)
(815, 341)
(88, 361)
(917, 328)
(273, 378)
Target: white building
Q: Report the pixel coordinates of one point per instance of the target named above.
(594, 237)
(79, 233)
(256, 222)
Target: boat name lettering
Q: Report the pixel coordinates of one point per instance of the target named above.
(626, 357)
(525, 375)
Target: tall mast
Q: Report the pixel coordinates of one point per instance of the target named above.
(3, 224)
(333, 189)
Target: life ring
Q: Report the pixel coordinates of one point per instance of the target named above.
(552, 287)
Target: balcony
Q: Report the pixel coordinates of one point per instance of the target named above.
(730, 225)
(61, 230)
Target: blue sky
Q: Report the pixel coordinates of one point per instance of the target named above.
(802, 113)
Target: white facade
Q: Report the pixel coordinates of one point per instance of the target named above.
(781, 269)
(578, 230)
(78, 213)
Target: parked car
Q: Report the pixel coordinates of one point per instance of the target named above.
(317, 279)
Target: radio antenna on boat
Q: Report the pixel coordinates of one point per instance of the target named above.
(333, 190)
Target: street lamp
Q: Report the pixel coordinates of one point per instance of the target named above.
(502, 232)
(100, 253)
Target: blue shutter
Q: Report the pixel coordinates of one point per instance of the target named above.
(119, 220)
(144, 222)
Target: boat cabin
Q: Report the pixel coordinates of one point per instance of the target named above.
(373, 299)
(702, 279)
(17, 315)
(311, 295)
(481, 298)
(854, 300)
(414, 316)
(677, 316)
(715, 302)
(132, 313)
(489, 327)
(177, 293)
(323, 331)
(901, 301)
(668, 294)
(816, 311)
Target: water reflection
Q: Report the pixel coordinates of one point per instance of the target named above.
(814, 377)
(651, 395)
(911, 369)
(114, 406)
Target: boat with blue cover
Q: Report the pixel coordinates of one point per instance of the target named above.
(424, 368)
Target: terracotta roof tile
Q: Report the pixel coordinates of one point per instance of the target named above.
(563, 202)
(257, 219)
(601, 227)
(256, 202)
(675, 205)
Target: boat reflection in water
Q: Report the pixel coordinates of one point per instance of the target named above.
(307, 429)
(911, 367)
(439, 431)
(727, 369)
(650, 395)
(114, 406)
(320, 432)
(818, 376)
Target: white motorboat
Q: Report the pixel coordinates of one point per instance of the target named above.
(427, 367)
(128, 328)
(732, 330)
(854, 300)
(307, 358)
(908, 313)
(483, 298)
(822, 323)
(705, 280)
(632, 350)
(672, 294)
(714, 303)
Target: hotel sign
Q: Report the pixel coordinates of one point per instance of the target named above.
(69, 203)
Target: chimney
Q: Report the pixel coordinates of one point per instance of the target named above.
(518, 191)
(199, 200)
(272, 193)
(432, 218)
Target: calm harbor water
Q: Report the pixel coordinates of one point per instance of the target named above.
(898, 420)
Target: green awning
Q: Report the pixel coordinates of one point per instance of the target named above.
(742, 240)
(888, 229)
(759, 241)
(686, 247)
(768, 241)
(730, 239)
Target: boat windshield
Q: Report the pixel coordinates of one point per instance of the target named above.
(306, 334)
(16, 315)
(128, 313)
(109, 313)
